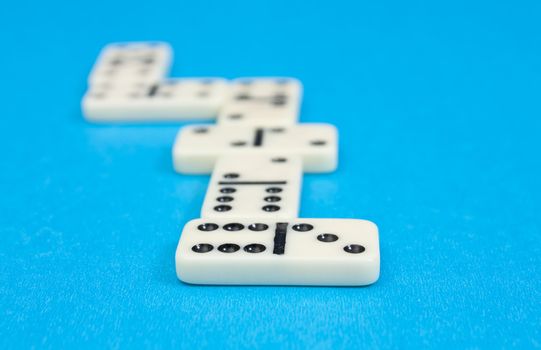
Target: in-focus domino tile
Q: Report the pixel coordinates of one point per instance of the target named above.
(131, 63)
(254, 186)
(254, 251)
(197, 147)
(262, 101)
(172, 99)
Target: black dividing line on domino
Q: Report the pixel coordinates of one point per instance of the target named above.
(280, 238)
(258, 139)
(153, 90)
(252, 183)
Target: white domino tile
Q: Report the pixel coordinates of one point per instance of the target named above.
(254, 186)
(198, 147)
(169, 100)
(262, 101)
(131, 63)
(339, 252)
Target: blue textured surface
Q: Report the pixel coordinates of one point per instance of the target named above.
(438, 109)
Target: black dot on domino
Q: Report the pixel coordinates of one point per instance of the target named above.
(235, 116)
(116, 62)
(200, 130)
(318, 143)
(233, 227)
(277, 130)
(274, 190)
(231, 175)
(148, 60)
(354, 248)
(272, 199)
(98, 95)
(228, 190)
(202, 248)
(279, 160)
(207, 227)
(327, 237)
(279, 100)
(243, 97)
(224, 199)
(302, 227)
(270, 208)
(228, 248)
(258, 227)
(222, 208)
(254, 248)
(238, 143)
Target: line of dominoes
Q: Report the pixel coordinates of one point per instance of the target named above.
(249, 231)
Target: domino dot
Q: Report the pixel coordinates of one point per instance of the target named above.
(238, 143)
(224, 199)
(148, 60)
(279, 160)
(222, 208)
(277, 130)
(228, 190)
(97, 95)
(274, 190)
(228, 248)
(318, 143)
(327, 237)
(279, 100)
(254, 248)
(233, 227)
(231, 175)
(258, 227)
(116, 62)
(242, 97)
(202, 248)
(302, 227)
(354, 248)
(270, 208)
(200, 130)
(207, 227)
(235, 116)
(272, 199)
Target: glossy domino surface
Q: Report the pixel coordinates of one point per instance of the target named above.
(262, 101)
(254, 186)
(198, 147)
(131, 63)
(282, 252)
(172, 99)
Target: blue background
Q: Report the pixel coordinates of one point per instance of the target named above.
(439, 118)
